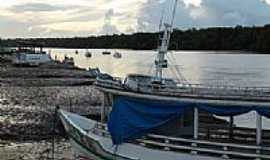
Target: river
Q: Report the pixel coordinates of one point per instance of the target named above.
(199, 67)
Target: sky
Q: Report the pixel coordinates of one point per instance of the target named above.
(70, 18)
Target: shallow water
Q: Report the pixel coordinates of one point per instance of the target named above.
(230, 68)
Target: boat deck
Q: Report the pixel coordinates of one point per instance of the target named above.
(222, 146)
(194, 91)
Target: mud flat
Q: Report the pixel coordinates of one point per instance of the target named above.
(27, 118)
(28, 98)
(41, 150)
(28, 112)
(51, 74)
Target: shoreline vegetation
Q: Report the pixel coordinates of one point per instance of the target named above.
(254, 39)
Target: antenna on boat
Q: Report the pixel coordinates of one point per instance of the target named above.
(161, 62)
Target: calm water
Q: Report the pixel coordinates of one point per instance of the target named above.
(197, 67)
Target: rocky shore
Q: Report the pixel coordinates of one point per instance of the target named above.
(27, 113)
(36, 150)
(54, 73)
(28, 98)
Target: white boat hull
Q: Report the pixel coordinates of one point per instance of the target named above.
(89, 146)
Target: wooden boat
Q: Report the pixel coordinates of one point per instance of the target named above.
(88, 54)
(68, 61)
(90, 140)
(106, 52)
(117, 55)
(29, 54)
(152, 117)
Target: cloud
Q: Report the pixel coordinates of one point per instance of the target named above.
(36, 7)
(50, 18)
(233, 12)
(266, 1)
(196, 3)
(108, 27)
(206, 13)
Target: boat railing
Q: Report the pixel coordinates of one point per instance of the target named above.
(200, 147)
(236, 134)
(224, 150)
(190, 89)
(115, 83)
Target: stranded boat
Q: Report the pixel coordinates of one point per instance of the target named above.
(106, 52)
(117, 55)
(29, 54)
(152, 117)
(88, 54)
(68, 61)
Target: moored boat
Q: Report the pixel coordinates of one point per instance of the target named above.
(153, 117)
(68, 61)
(29, 54)
(88, 54)
(117, 55)
(106, 52)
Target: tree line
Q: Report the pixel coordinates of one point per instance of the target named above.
(219, 38)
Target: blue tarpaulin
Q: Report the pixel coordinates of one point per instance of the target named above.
(132, 118)
(224, 110)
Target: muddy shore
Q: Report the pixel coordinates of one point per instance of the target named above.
(28, 98)
(27, 116)
(54, 73)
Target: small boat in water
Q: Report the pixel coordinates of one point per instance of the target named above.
(117, 55)
(106, 53)
(145, 117)
(88, 54)
(68, 60)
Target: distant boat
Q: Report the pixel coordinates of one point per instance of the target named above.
(88, 54)
(30, 55)
(106, 52)
(117, 55)
(68, 61)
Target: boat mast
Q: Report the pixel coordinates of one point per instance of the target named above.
(161, 62)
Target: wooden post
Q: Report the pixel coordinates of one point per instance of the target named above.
(258, 129)
(231, 127)
(258, 132)
(195, 129)
(196, 123)
(102, 111)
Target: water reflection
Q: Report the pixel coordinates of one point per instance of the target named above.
(197, 67)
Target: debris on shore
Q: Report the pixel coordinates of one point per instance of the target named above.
(27, 117)
(51, 74)
(35, 150)
(26, 113)
(28, 98)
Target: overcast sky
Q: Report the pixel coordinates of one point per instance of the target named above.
(68, 18)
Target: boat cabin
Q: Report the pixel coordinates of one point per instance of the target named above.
(30, 55)
(137, 81)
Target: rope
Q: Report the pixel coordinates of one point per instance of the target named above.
(180, 77)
